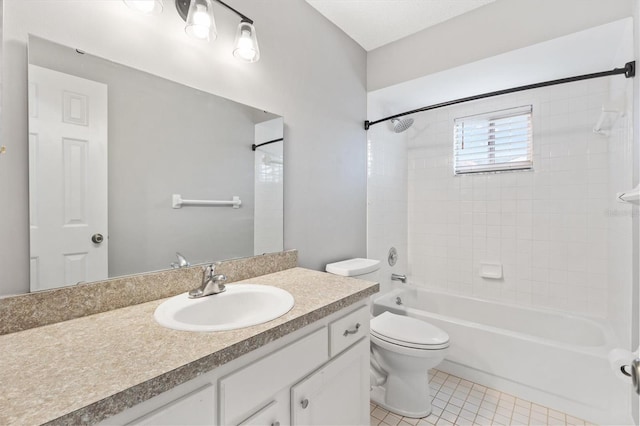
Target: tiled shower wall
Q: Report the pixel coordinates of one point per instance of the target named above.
(387, 201)
(621, 217)
(268, 219)
(549, 227)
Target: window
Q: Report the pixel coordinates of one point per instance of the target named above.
(499, 140)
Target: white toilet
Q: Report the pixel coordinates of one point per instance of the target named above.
(403, 349)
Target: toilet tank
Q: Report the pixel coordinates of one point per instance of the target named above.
(364, 269)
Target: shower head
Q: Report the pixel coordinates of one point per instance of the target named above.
(400, 126)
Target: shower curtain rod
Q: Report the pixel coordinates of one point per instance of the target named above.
(254, 146)
(629, 70)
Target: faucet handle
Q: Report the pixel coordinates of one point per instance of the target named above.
(211, 283)
(207, 272)
(182, 261)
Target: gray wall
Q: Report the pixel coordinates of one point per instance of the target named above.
(506, 25)
(310, 72)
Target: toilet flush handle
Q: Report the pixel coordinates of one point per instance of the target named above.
(635, 375)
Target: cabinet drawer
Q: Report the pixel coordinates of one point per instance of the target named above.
(348, 330)
(244, 391)
(195, 408)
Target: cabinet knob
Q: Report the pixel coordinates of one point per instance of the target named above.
(304, 403)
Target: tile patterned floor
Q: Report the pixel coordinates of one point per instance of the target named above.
(461, 402)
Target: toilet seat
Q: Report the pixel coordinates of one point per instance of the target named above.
(408, 332)
(405, 349)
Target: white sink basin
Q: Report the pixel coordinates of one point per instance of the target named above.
(241, 305)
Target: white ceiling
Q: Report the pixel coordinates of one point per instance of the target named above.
(374, 23)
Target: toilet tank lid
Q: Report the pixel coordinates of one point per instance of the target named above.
(353, 267)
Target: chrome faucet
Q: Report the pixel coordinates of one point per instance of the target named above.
(211, 283)
(398, 277)
(181, 263)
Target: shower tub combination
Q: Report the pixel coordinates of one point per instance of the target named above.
(548, 357)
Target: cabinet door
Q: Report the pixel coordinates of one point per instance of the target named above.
(337, 393)
(275, 413)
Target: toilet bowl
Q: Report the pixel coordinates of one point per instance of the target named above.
(403, 349)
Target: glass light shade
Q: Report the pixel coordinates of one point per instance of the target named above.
(246, 44)
(200, 22)
(147, 7)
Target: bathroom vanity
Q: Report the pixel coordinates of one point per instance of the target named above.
(310, 366)
(319, 375)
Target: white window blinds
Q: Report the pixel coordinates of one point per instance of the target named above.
(500, 140)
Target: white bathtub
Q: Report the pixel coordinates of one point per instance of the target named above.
(549, 357)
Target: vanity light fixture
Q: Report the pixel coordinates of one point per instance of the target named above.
(200, 23)
(246, 43)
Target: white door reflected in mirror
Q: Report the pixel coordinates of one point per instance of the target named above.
(67, 179)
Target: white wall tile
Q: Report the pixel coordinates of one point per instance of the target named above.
(562, 239)
(548, 227)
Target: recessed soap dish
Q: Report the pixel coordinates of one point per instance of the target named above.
(491, 270)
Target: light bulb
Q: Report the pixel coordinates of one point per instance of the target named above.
(246, 45)
(200, 23)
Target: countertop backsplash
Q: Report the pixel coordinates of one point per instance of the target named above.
(25, 311)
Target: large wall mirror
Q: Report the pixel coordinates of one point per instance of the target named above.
(112, 153)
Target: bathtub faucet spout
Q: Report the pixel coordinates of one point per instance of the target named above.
(398, 277)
